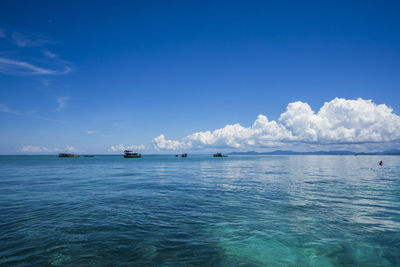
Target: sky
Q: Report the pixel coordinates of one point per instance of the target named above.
(198, 76)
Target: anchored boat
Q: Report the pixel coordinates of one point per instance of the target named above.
(130, 154)
(219, 155)
(67, 155)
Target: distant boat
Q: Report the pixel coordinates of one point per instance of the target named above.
(130, 154)
(88, 156)
(67, 155)
(219, 155)
(184, 155)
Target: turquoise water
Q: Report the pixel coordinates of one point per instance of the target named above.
(200, 210)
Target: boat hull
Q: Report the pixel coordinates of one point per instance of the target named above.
(219, 155)
(67, 155)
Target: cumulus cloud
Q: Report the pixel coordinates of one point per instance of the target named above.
(43, 149)
(121, 147)
(62, 102)
(21, 68)
(339, 121)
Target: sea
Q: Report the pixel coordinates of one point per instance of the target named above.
(162, 210)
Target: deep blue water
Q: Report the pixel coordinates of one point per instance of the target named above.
(200, 210)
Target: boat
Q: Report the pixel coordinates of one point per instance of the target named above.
(184, 155)
(130, 154)
(219, 155)
(67, 155)
(89, 156)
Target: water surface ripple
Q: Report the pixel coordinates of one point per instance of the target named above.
(167, 211)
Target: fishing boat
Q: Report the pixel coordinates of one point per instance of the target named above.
(130, 154)
(67, 155)
(219, 155)
(184, 155)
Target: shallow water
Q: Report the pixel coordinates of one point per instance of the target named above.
(200, 210)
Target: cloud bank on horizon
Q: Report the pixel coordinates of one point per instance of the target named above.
(43, 149)
(340, 121)
(121, 147)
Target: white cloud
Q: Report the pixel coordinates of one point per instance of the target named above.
(22, 40)
(90, 132)
(70, 149)
(164, 144)
(62, 103)
(339, 121)
(49, 54)
(121, 147)
(43, 149)
(21, 68)
(34, 149)
(342, 121)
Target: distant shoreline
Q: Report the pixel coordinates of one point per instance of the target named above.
(338, 153)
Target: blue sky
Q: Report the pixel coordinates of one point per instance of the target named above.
(159, 76)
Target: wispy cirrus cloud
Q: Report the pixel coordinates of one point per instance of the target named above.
(12, 62)
(62, 103)
(23, 40)
(6, 109)
(32, 114)
(49, 54)
(21, 68)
